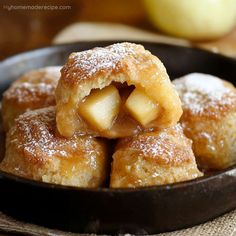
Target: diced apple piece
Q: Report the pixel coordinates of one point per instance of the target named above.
(141, 107)
(101, 107)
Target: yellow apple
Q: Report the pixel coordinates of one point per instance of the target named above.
(141, 107)
(193, 19)
(101, 107)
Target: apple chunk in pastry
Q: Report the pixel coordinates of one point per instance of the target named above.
(141, 95)
(141, 107)
(153, 158)
(209, 118)
(101, 107)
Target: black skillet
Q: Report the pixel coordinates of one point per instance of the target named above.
(103, 210)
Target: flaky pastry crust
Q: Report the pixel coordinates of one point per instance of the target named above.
(119, 63)
(35, 150)
(35, 89)
(209, 118)
(156, 158)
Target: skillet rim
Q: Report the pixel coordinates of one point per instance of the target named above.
(166, 187)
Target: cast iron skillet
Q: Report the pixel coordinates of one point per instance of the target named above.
(103, 210)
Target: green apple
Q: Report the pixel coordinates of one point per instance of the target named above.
(193, 19)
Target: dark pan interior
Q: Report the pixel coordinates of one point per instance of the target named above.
(144, 210)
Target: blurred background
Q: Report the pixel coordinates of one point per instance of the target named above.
(29, 24)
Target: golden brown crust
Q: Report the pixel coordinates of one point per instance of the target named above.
(159, 146)
(35, 150)
(213, 140)
(35, 89)
(98, 68)
(209, 116)
(205, 96)
(154, 158)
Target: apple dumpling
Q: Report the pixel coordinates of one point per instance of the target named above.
(35, 150)
(154, 158)
(209, 118)
(35, 89)
(114, 92)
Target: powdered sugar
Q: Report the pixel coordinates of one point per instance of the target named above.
(36, 86)
(201, 93)
(88, 63)
(47, 75)
(162, 145)
(37, 137)
(27, 92)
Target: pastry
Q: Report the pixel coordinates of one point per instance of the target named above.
(209, 118)
(35, 89)
(156, 158)
(114, 92)
(36, 151)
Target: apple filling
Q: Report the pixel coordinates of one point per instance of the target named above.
(141, 107)
(103, 107)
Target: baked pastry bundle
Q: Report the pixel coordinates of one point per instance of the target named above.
(35, 89)
(114, 92)
(121, 92)
(155, 158)
(209, 118)
(36, 151)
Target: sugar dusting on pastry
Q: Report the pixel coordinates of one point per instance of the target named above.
(46, 75)
(36, 151)
(34, 89)
(205, 94)
(159, 145)
(38, 137)
(27, 92)
(154, 158)
(88, 63)
(124, 63)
